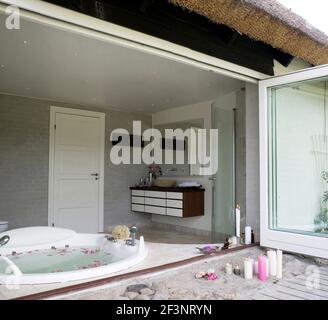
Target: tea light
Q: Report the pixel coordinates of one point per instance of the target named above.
(248, 269)
(228, 268)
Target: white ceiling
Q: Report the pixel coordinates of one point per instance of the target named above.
(44, 62)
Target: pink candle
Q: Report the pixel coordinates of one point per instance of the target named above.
(262, 268)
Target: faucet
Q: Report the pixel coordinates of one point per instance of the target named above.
(4, 240)
(132, 241)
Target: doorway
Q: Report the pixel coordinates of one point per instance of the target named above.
(76, 169)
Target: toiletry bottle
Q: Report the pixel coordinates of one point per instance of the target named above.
(253, 237)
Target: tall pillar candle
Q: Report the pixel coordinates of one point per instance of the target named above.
(248, 235)
(267, 267)
(238, 221)
(272, 256)
(248, 269)
(262, 266)
(279, 264)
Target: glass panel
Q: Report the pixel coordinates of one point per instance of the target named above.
(299, 158)
(224, 188)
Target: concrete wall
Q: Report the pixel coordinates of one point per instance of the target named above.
(24, 161)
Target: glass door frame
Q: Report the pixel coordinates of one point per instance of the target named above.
(303, 244)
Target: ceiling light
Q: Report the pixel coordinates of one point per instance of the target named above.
(25, 41)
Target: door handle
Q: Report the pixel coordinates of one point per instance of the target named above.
(212, 178)
(96, 175)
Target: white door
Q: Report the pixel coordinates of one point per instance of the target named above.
(76, 170)
(294, 161)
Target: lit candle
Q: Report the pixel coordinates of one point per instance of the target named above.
(262, 268)
(248, 235)
(279, 264)
(272, 256)
(248, 269)
(238, 221)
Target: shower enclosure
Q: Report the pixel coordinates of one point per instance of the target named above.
(294, 162)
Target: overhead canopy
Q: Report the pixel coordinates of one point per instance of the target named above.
(267, 21)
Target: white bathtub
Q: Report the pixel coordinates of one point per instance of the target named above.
(39, 248)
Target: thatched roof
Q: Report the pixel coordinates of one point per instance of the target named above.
(267, 21)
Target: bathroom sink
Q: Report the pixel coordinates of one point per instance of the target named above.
(165, 183)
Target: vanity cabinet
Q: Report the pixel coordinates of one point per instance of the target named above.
(174, 202)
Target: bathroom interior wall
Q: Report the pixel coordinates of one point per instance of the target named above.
(231, 126)
(202, 112)
(24, 163)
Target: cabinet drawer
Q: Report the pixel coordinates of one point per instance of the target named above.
(174, 195)
(155, 194)
(174, 212)
(139, 200)
(174, 203)
(138, 193)
(155, 202)
(155, 210)
(138, 208)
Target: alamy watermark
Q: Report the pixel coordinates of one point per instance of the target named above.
(200, 147)
(12, 21)
(312, 278)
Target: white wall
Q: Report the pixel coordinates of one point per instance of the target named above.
(24, 152)
(188, 113)
(295, 65)
(252, 159)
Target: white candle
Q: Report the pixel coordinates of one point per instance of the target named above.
(272, 256)
(267, 267)
(228, 269)
(248, 269)
(279, 264)
(256, 267)
(248, 235)
(234, 241)
(238, 221)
